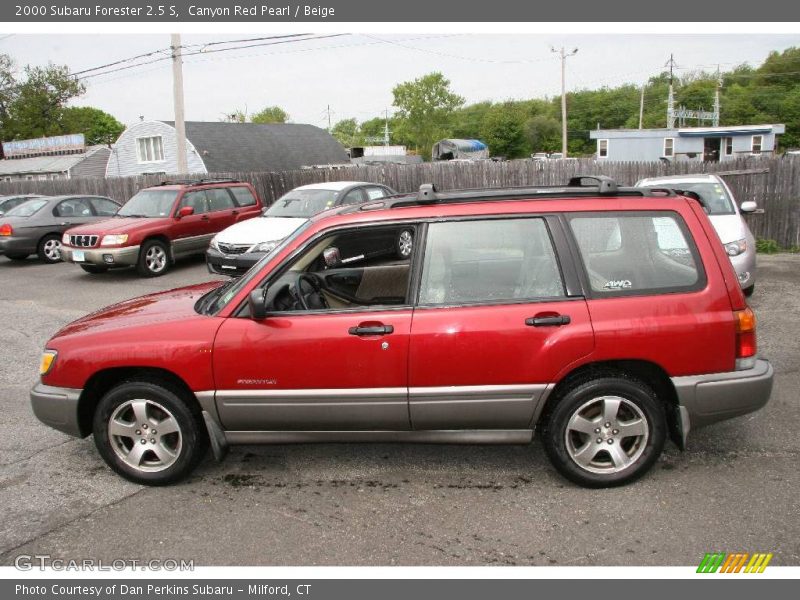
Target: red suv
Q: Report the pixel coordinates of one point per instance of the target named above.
(609, 319)
(160, 225)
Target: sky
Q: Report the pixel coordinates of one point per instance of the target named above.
(352, 75)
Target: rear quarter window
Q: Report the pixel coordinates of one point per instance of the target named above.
(637, 253)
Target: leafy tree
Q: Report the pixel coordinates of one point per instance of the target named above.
(40, 100)
(503, 129)
(544, 133)
(96, 125)
(425, 109)
(270, 114)
(347, 132)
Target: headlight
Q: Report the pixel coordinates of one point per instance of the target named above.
(214, 244)
(114, 240)
(736, 248)
(264, 246)
(48, 358)
(65, 239)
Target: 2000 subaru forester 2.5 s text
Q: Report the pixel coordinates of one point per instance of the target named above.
(608, 318)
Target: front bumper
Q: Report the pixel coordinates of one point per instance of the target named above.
(57, 407)
(119, 257)
(233, 265)
(745, 266)
(707, 399)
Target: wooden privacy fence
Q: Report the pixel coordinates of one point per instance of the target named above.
(773, 183)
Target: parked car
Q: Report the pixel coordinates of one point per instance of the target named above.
(161, 224)
(726, 216)
(9, 202)
(234, 250)
(36, 226)
(559, 309)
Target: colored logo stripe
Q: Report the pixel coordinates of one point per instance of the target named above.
(733, 563)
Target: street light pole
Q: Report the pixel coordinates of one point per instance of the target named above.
(564, 56)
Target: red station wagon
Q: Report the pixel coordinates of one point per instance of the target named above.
(160, 225)
(607, 318)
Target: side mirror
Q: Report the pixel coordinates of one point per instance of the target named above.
(185, 211)
(331, 257)
(748, 206)
(257, 301)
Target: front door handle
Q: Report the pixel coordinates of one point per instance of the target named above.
(547, 320)
(379, 329)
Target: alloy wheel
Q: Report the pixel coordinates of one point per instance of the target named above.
(156, 259)
(145, 435)
(52, 250)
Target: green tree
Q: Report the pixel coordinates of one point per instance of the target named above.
(7, 93)
(40, 100)
(96, 125)
(544, 133)
(503, 129)
(270, 114)
(425, 110)
(347, 132)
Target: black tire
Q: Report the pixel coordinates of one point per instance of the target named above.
(18, 257)
(94, 269)
(145, 267)
(637, 401)
(188, 445)
(404, 245)
(49, 249)
(748, 291)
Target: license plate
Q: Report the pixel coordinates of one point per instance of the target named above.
(78, 255)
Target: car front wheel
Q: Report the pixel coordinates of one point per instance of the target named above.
(148, 433)
(153, 259)
(605, 432)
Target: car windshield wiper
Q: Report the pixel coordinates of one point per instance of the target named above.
(134, 216)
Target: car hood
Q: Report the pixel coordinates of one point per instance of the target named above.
(118, 225)
(729, 228)
(260, 229)
(144, 310)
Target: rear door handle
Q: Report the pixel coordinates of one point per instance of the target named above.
(547, 321)
(205, 218)
(362, 330)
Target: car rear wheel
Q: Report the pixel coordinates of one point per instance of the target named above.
(148, 433)
(50, 249)
(405, 243)
(153, 259)
(17, 256)
(94, 269)
(605, 432)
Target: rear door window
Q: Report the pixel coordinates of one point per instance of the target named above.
(219, 199)
(637, 253)
(74, 207)
(489, 261)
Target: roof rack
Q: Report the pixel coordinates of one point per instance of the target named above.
(581, 186)
(198, 181)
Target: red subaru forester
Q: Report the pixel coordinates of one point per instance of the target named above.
(608, 318)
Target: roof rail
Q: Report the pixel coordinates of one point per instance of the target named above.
(581, 186)
(202, 181)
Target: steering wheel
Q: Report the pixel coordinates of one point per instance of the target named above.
(311, 281)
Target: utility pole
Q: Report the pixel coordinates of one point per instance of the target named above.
(386, 128)
(715, 120)
(329, 118)
(564, 57)
(177, 95)
(671, 99)
(641, 107)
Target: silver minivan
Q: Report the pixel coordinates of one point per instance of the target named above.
(725, 215)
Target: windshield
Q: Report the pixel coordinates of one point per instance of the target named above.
(26, 209)
(302, 203)
(714, 196)
(149, 203)
(218, 298)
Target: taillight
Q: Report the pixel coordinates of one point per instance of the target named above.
(745, 321)
(6, 229)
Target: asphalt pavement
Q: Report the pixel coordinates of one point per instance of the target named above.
(734, 489)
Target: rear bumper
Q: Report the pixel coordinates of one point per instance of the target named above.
(232, 265)
(707, 399)
(122, 257)
(14, 244)
(57, 407)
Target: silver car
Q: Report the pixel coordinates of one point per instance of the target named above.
(725, 215)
